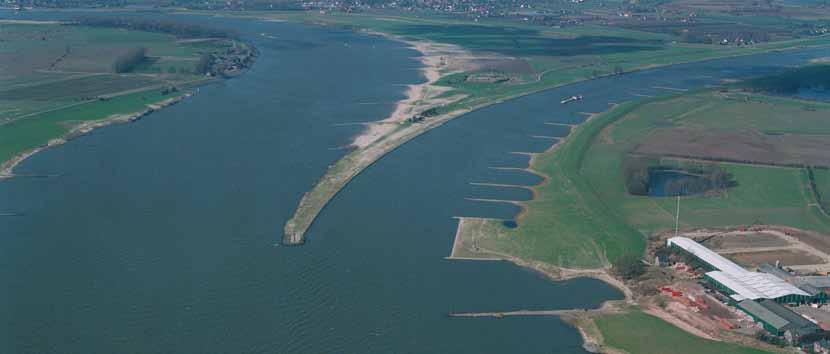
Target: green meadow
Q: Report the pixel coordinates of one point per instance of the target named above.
(640, 333)
(764, 194)
(32, 132)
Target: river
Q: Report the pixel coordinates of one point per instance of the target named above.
(160, 236)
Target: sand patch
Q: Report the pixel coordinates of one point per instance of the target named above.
(438, 60)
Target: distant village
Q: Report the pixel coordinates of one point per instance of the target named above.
(231, 62)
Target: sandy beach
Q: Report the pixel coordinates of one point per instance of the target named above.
(438, 60)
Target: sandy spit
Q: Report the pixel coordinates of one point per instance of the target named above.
(438, 59)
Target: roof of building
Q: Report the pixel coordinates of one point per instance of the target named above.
(798, 323)
(763, 314)
(752, 285)
(807, 287)
(818, 281)
(778, 272)
(745, 284)
(804, 283)
(706, 255)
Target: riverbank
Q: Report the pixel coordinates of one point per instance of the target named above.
(7, 168)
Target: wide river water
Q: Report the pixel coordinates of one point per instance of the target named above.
(160, 236)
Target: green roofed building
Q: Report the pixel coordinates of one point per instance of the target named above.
(773, 323)
(778, 320)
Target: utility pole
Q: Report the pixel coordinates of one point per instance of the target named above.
(677, 217)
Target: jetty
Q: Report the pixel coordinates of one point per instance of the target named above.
(518, 313)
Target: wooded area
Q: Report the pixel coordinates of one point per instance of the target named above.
(183, 29)
(129, 60)
(643, 175)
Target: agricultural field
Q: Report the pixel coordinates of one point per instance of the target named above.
(762, 129)
(59, 76)
(749, 240)
(788, 257)
(637, 332)
(763, 194)
(583, 216)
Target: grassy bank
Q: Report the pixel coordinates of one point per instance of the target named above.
(567, 223)
(637, 332)
(32, 132)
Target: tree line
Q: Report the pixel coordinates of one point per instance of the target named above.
(792, 80)
(704, 36)
(164, 26)
(129, 60)
(639, 172)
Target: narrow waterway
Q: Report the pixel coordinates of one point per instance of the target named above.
(159, 236)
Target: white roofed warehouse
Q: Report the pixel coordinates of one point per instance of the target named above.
(739, 283)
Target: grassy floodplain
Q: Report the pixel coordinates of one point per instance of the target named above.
(637, 332)
(583, 216)
(61, 76)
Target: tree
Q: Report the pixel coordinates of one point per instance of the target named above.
(205, 61)
(129, 60)
(636, 175)
(629, 266)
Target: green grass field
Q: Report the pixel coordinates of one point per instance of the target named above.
(640, 333)
(31, 132)
(583, 216)
(765, 194)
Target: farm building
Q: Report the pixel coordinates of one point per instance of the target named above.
(739, 283)
(778, 320)
(816, 286)
(756, 286)
(820, 282)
